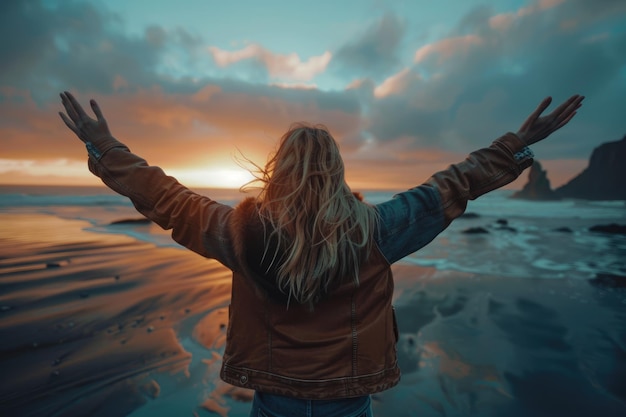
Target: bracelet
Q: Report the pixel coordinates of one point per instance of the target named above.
(524, 153)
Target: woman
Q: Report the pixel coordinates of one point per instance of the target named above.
(311, 327)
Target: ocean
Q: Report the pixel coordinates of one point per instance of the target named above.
(524, 238)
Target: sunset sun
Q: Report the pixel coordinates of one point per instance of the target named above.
(213, 177)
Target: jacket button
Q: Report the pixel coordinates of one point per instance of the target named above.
(243, 379)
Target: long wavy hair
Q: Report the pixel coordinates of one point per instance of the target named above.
(321, 231)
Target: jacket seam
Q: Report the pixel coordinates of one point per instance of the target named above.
(269, 338)
(354, 335)
(314, 381)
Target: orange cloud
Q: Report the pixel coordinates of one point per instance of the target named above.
(195, 135)
(504, 20)
(394, 84)
(446, 48)
(288, 66)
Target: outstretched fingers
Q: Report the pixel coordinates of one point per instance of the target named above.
(567, 110)
(566, 121)
(96, 110)
(69, 108)
(541, 108)
(68, 123)
(76, 105)
(568, 106)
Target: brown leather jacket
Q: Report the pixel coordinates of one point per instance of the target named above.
(345, 346)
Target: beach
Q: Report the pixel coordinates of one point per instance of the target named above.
(110, 319)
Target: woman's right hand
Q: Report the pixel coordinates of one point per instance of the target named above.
(79, 122)
(537, 128)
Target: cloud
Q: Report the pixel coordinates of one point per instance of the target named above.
(418, 108)
(179, 128)
(504, 21)
(279, 66)
(56, 45)
(78, 47)
(376, 52)
(444, 49)
(394, 84)
(482, 80)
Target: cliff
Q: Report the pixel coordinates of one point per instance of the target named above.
(604, 178)
(538, 185)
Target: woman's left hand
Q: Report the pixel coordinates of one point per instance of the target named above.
(79, 122)
(537, 127)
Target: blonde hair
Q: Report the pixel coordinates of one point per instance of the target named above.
(322, 230)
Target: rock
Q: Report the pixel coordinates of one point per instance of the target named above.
(469, 215)
(563, 230)
(604, 178)
(475, 230)
(613, 228)
(141, 220)
(538, 186)
(508, 229)
(608, 280)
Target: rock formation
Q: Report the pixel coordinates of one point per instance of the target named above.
(604, 178)
(538, 185)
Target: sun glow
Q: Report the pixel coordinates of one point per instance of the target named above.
(231, 178)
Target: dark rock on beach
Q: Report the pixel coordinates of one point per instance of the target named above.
(538, 186)
(475, 231)
(604, 178)
(609, 280)
(138, 221)
(613, 228)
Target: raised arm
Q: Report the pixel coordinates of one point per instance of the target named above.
(415, 217)
(197, 222)
(500, 164)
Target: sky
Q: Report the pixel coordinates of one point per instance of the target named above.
(206, 88)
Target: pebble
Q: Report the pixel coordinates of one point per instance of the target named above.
(150, 329)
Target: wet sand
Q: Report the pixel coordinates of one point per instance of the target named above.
(105, 325)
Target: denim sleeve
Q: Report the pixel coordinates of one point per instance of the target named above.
(409, 221)
(412, 219)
